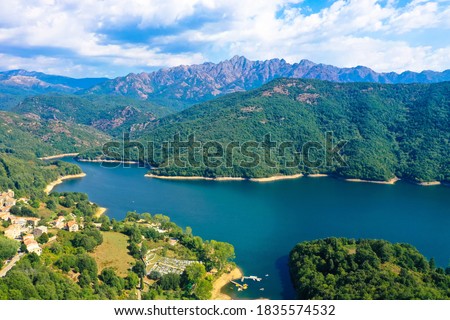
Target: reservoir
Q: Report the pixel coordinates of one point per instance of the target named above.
(264, 221)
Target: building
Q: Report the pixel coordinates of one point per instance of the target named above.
(28, 237)
(33, 246)
(33, 221)
(13, 231)
(173, 241)
(59, 222)
(6, 201)
(72, 226)
(39, 231)
(5, 216)
(21, 221)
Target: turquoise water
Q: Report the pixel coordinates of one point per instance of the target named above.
(265, 220)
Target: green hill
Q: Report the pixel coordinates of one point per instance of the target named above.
(112, 115)
(391, 130)
(24, 138)
(365, 269)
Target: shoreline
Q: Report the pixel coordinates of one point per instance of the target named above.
(59, 156)
(317, 175)
(392, 181)
(108, 161)
(100, 211)
(53, 184)
(429, 184)
(149, 175)
(276, 178)
(268, 179)
(222, 281)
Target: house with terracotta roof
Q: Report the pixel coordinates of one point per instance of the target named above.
(27, 237)
(33, 246)
(72, 226)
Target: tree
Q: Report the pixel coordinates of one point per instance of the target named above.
(132, 216)
(131, 281)
(8, 248)
(51, 204)
(43, 238)
(432, 264)
(146, 216)
(139, 269)
(15, 210)
(193, 273)
(220, 253)
(170, 281)
(203, 289)
(84, 241)
(85, 262)
(154, 275)
(109, 277)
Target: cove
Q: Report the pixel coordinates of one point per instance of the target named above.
(265, 220)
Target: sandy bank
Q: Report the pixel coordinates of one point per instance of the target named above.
(317, 175)
(274, 178)
(108, 161)
(100, 211)
(51, 185)
(59, 156)
(430, 183)
(148, 175)
(222, 281)
(392, 181)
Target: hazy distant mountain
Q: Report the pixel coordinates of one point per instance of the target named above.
(39, 82)
(15, 85)
(190, 84)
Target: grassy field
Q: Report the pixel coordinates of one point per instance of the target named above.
(113, 253)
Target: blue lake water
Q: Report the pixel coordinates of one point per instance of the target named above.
(265, 220)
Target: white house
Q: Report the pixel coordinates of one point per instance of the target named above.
(13, 231)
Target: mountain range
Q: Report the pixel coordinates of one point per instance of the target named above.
(182, 86)
(196, 83)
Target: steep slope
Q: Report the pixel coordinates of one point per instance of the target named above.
(24, 138)
(112, 115)
(391, 130)
(184, 85)
(29, 136)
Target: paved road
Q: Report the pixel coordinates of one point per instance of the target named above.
(11, 264)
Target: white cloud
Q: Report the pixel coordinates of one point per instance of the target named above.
(347, 33)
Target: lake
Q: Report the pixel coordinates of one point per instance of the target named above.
(265, 220)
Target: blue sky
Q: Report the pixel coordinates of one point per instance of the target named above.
(83, 38)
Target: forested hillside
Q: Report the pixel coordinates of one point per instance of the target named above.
(23, 139)
(365, 269)
(112, 115)
(391, 130)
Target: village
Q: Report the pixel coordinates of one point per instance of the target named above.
(27, 230)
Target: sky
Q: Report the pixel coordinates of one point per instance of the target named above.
(92, 38)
